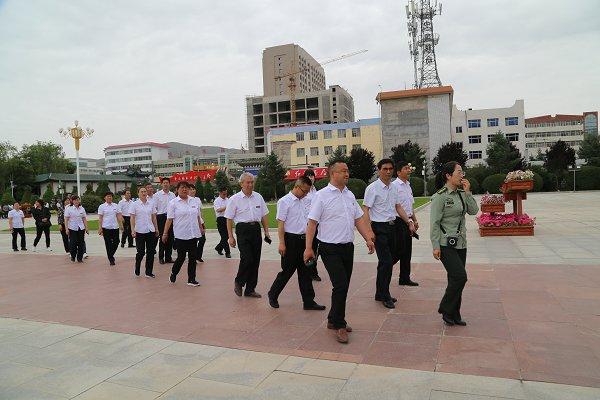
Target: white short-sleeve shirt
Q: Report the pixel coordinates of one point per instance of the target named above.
(242, 208)
(162, 200)
(184, 214)
(220, 203)
(17, 218)
(336, 213)
(125, 206)
(381, 199)
(406, 195)
(294, 213)
(109, 214)
(76, 216)
(143, 215)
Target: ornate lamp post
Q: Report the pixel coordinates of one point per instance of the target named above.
(77, 133)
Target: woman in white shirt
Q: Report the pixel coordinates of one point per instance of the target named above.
(76, 223)
(109, 219)
(16, 223)
(144, 229)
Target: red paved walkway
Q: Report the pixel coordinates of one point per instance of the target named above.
(530, 322)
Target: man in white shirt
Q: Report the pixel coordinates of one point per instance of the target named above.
(202, 238)
(125, 204)
(247, 209)
(109, 219)
(220, 205)
(16, 224)
(310, 174)
(144, 230)
(161, 200)
(183, 214)
(381, 205)
(292, 217)
(336, 211)
(405, 231)
(76, 223)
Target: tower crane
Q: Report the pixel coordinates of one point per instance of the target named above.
(292, 81)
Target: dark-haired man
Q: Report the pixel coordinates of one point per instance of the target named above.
(220, 205)
(310, 174)
(125, 204)
(109, 219)
(161, 201)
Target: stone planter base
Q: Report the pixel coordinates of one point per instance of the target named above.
(506, 230)
(491, 208)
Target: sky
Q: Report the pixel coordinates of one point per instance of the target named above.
(179, 70)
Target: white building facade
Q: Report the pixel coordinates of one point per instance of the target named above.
(119, 158)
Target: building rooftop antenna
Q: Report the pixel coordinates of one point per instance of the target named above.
(422, 41)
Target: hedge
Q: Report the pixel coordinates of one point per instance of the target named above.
(492, 183)
(91, 202)
(418, 185)
(357, 186)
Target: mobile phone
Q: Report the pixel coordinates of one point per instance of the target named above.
(268, 240)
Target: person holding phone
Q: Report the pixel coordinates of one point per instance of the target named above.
(247, 209)
(449, 235)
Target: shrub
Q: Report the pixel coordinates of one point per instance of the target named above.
(357, 187)
(7, 198)
(431, 189)
(418, 186)
(492, 183)
(538, 182)
(91, 202)
(548, 178)
(475, 186)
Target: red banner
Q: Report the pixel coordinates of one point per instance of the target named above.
(192, 176)
(294, 174)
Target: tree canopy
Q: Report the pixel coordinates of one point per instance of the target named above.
(409, 152)
(451, 151)
(361, 164)
(589, 150)
(503, 156)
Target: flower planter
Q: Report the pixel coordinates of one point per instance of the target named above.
(515, 230)
(517, 186)
(490, 208)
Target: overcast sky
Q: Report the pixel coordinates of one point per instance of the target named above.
(179, 70)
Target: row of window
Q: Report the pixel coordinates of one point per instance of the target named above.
(512, 137)
(553, 134)
(548, 124)
(327, 150)
(118, 152)
(127, 159)
(327, 134)
(475, 155)
(491, 122)
(549, 144)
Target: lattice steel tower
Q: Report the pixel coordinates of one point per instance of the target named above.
(422, 42)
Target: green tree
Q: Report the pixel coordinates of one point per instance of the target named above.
(102, 189)
(26, 198)
(503, 156)
(48, 195)
(199, 189)
(558, 159)
(19, 172)
(270, 177)
(409, 152)
(361, 164)
(209, 192)
(222, 182)
(589, 150)
(451, 151)
(89, 189)
(7, 198)
(133, 189)
(338, 156)
(45, 157)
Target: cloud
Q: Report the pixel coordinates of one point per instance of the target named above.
(179, 70)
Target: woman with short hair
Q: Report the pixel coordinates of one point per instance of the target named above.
(41, 214)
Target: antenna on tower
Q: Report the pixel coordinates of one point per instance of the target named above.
(423, 40)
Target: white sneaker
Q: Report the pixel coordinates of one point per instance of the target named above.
(85, 255)
(48, 249)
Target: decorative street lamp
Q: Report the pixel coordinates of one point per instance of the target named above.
(77, 133)
(575, 169)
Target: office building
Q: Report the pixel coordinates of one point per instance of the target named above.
(89, 166)
(119, 158)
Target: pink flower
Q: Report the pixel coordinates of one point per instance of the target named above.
(487, 219)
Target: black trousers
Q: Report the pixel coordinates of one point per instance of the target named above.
(39, 230)
(20, 232)
(111, 242)
(146, 245)
(404, 252)
(454, 261)
(293, 261)
(200, 247)
(127, 232)
(165, 250)
(77, 244)
(314, 272)
(186, 247)
(249, 241)
(65, 237)
(385, 246)
(222, 228)
(338, 260)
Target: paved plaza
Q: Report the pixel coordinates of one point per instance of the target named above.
(95, 332)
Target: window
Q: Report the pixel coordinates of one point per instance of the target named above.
(299, 136)
(511, 121)
(300, 152)
(475, 155)
(327, 134)
(475, 139)
(459, 129)
(341, 133)
(314, 135)
(314, 151)
(492, 121)
(355, 132)
(328, 150)
(356, 146)
(343, 148)
(491, 138)
(512, 137)
(474, 123)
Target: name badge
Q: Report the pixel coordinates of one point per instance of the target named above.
(449, 202)
(257, 207)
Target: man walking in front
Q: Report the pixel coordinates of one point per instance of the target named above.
(336, 211)
(161, 201)
(247, 209)
(292, 218)
(220, 205)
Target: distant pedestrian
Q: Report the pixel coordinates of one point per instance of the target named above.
(161, 200)
(247, 209)
(220, 205)
(76, 222)
(60, 208)
(16, 224)
(449, 235)
(125, 205)
(109, 220)
(144, 229)
(41, 215)
(202, 238)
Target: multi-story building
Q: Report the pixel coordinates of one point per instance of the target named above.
(282, 60)
(119, 158)
(89, 166)
(476, 129)
(313, 144)
(327, 106)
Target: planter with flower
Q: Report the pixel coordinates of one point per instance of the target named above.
(505, 224)
(492, 203)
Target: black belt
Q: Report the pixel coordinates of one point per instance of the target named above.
(384, 223)
(297, 235)
(252, 223)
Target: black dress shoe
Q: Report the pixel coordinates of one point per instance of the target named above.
(253, 294)
(122, 245)
(393, 299)
(448, 320)
(388, 304)
(237, 289)
(408, 283)
(161, 262)
(169, 261)
(220, 252)
(227, 255)
(273, 302)
(314, 306)
(112, 262)
(459, 321)
(200, 260)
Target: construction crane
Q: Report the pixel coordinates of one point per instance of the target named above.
(292, 81)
